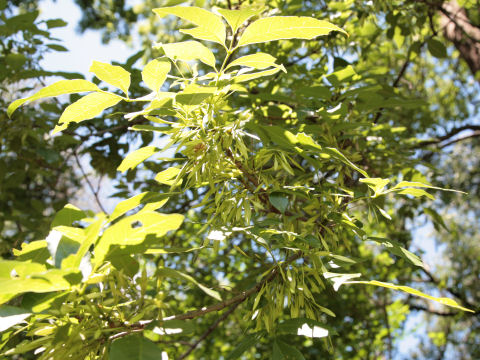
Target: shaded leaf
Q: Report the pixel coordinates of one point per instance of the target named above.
(11, 315)
(134, 347)
(179, 275)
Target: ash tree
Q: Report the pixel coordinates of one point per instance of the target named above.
(269, 193)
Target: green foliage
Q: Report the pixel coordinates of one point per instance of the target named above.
(276, 184)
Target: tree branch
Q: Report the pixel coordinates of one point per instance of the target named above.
(87, 180)
(448, 136)
(238, 298)
(431, 310)
(209, 331)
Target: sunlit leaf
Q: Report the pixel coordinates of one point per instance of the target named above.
(87, 108)
(442, 300)
(257, 61)
(136, 157)
(59, 88)
(236, 18)
(285, 27)
(155, 73)
(209, 26)
(188, 51)
(112, 74)
(167, 176)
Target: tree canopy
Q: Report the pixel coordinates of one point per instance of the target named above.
(271, 161)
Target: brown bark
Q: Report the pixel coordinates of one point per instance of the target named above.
(458, 28)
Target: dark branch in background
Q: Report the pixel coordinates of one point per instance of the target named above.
(209, 331)
(451, 290)
(431, 311)
(449, 135)
(87, 180)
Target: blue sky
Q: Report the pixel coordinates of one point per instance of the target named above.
(83, 48)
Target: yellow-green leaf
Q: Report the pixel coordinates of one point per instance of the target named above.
(152, 199)
(59, 88)
(188, 51)
(177, 274)
(209, 26)
(87, 108)
(136, 157)
(167, 176)
(155, 73)
(256, 75)
(285, 27)
(442, 300)
(112, 74)
(236, 18)
(257, 61)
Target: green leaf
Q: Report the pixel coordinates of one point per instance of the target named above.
(256, 75)
(134, 230)
(35, 251)
(126, 263)
(155, 73)
(179, 275)
(342, 76)
(39, 282)
(236, 18)
(283, 351)
(396, 248)
(339, 156)
(134, 347)
(11, 315)
(436, 48)
(416, 193)
(136, 157)
(209, 26)
(442, 300)
(279, 201)
(55, 23)
(257, 61)
(59, 88)
(248, 342)
(153, 200)
(112, 74)
(285, 27)
(188, 51)
(167, 176)
(60, 247)
(67, 216)
(376, 184)
(91, 237)
(86, 108)
(194, 94)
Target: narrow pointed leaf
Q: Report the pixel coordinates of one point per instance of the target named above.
(112, 74)
(285, 27)
(179, 275)
(167, 176)
(209, 26)
(59, 88)
(442, 300)
(256, 75)
(155, 73)
(236, 18)
(257, 61)
(188, 51)
(136, 157)
(147, 197)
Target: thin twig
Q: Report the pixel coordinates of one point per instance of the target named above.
(87, 180)
(209, 330)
